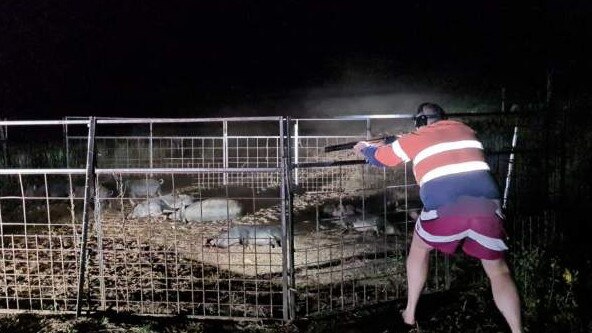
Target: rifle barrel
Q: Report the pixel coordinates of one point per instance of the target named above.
(326, 164)
(349, 145)
(341, 146)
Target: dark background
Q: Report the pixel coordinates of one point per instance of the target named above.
(232, 58)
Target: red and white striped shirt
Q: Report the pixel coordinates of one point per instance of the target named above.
(444, 148)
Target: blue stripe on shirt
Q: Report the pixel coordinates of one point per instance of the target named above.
(447, 189)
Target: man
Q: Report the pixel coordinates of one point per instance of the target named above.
(461, 204)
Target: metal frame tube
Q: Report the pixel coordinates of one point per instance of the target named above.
(284, 198)
(3, 141)
(88, 182)
(296, 155)
(288, 284)
(67, 143)
(151, 146)
(100, 249)
(510, 168)
(42, 171)
(290, 231)
(225, 150)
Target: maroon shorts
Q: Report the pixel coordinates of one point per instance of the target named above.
(474, 222)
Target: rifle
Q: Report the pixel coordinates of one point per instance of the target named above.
(326, 164)
(349, 145)
(343, 146)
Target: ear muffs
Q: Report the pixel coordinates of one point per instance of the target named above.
(434, 112)
(420, 120)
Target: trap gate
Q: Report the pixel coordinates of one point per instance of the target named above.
(59, 254)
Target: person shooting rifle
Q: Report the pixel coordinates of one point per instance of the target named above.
(461, 204)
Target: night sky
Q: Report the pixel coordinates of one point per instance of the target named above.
(204, 58)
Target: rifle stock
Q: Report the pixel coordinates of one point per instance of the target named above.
(349, 145)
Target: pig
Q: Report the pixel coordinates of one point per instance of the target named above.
(370, 222)
(208, 210)
(143, 188)
(339, 210)
(367, 222)
(56, 190)
(104, 194)
(34, 191)
(173, 202)
(248, 234)
(78, 192)
(151, 207)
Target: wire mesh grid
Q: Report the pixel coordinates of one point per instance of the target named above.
(185, 152)
(41, 213)
(156, 264)
(39, 259)
(351, 223)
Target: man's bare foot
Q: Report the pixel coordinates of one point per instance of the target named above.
(407, 319)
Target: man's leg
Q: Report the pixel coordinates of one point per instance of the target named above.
(417, 271)
(504, 291)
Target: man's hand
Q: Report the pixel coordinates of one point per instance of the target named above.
(360, 146)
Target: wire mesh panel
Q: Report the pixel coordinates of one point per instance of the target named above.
(41, 212)
(193, 251)
(311, 136)
(189, 224)
(194, 144)
(352, 224)
(349, 246)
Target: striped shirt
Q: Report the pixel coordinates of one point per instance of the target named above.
(448, 161)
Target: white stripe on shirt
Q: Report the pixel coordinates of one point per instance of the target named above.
(400, 152)
(446, 146)
(452, 169)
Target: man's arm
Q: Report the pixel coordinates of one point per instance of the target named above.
(367, 151)
(381, 155)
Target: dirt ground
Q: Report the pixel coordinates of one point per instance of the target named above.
(451, 311)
